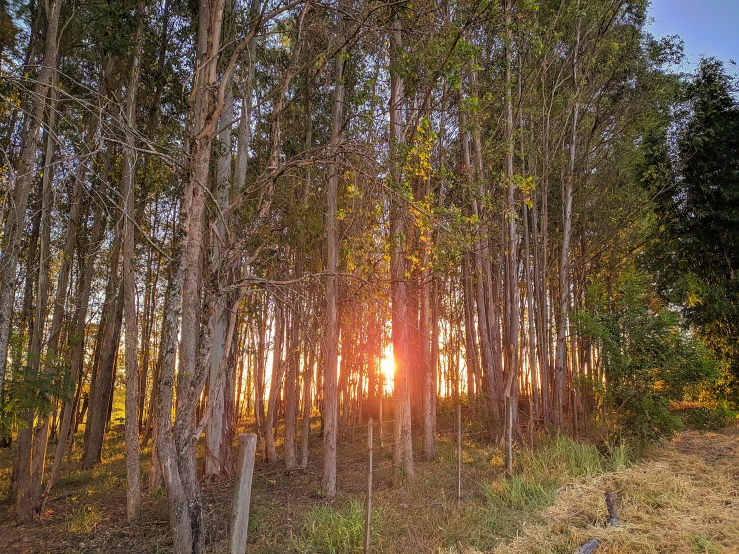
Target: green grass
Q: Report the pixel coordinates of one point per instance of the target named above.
(85, 520)
(621, 457)
(703, 544)
(522, 494)
(333, 530)
(561, 460)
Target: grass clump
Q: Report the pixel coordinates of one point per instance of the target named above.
(561, 460)
(522, 494)
(702, 544)
(508, 504)
(85, 520)
(332, 530)
(620, 456)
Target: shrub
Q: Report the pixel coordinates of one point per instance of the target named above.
(647, 356)
(705, 419)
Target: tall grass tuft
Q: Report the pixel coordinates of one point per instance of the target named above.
(561, 460)
(523, 494)
(332, 530)
(620, 457)
(85, 520)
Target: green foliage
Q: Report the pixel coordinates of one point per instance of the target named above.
(644, 416)
(30, 390)
(697, 255)
(705, 418)
(332, 530)
(648, 359)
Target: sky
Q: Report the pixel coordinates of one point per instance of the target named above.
(707, 27)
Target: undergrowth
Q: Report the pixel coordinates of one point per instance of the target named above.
(493, 508)
(85, 520)
(289, 517)
(704, 418)
(332, 530)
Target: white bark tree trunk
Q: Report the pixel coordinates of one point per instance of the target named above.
(133, 468)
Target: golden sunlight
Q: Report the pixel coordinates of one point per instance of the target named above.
(387, 367)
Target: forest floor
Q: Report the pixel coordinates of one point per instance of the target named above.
(681, 497)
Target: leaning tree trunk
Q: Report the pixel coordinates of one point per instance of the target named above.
(32, 442)
(101, 387)
(83, 286)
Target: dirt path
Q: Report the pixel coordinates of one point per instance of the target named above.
(683, 498)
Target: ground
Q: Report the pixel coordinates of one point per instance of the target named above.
(681, 497)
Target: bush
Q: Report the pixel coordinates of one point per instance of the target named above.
(648, 358)
(646, 417)
(705, 419)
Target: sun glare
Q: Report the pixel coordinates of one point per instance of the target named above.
(387, 366)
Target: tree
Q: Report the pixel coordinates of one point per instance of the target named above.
(703, 216)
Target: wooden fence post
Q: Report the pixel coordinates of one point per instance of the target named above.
(382, 395)
(574, 414)
(509, 437)
(368, 514)
(242, 493)
(459, 452)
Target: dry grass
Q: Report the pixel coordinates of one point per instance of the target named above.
(684, 498)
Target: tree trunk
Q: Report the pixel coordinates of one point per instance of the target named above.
(291, 385)
(101, 387)
(402, 439)
(512, 294)
(83, 287)
(564, 255)
(470, 341)
(133, 469)
(307, 404)
(32, 445)
(278, 372)
(176, 442)
(215, 431)
(330, 375)
(425, 336)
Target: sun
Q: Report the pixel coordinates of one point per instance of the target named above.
(387, 367)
